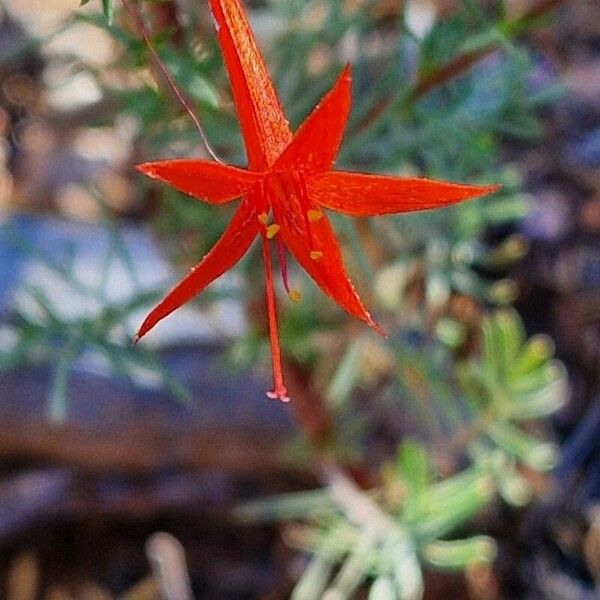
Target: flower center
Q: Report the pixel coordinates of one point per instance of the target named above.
(292, 208)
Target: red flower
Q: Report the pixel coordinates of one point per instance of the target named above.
(288, 183)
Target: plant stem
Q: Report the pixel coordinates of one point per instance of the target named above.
(139, 24)
(459, 64)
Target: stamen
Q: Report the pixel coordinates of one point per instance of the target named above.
(281, 396)
(282, 265)
(279, 391)
(272, 230)
(316, 254)
(263, 218)
(314, 215)
(295, 295)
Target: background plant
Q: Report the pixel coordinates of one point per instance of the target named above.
(458, 387)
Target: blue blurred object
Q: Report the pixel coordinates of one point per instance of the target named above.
(81, 270)
(585, 149)
(580, 457)
(31, 495)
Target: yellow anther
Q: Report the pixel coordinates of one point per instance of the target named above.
(272, 230)
(295, 296)
(314, 215)
(316, 254)
(263, 218)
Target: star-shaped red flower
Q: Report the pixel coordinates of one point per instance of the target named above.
(287, 185)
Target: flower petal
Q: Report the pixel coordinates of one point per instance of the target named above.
(207, 180)
(230, 247)
(315, 247)
(366, 195)
(316, 143)
(264, 126)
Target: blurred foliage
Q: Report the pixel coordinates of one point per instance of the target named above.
(457, 366)
(385, 534)
(390, 533)
(42, 333)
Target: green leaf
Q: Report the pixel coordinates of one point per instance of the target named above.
(346, 375)
(451, 332)
(482, 41)
(538, 455)
(473, 11)
(459, 554)
(513, 487)
(186, 71)
(382, 589)
(412, 464)
(503, 338)
(544, 401)
(57, 401)
(448, 488)
(537, 379)
(492, 356)
(407, 574)
(285, 507)
(314, 580)
(108, 10)
(353, 570)
(131, 43)
(513, 333)
(506, 209)
(448, 511)
(533, 355)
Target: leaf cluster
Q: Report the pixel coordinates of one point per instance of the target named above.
(389, 534)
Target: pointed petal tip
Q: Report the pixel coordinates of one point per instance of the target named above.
(475, 191)
(155, 168)
(143, 329)
(265, 128)
(145, 168)
(491, 188)
(377, 328)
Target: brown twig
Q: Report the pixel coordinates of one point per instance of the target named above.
(450, 70)
(458, 65)
(141, 27)
(540, 9)
(464, 61)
